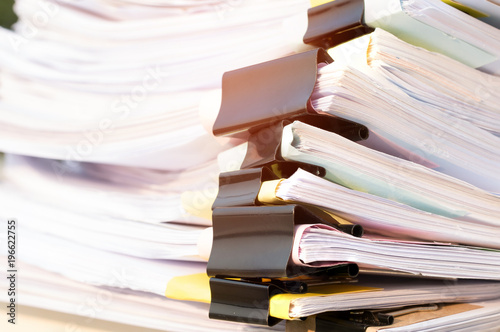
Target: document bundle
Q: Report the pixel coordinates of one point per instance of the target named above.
(212, 165)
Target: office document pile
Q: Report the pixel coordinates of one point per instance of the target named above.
(251, 165)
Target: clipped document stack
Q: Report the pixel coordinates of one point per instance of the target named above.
(298, 153)
(364, 197)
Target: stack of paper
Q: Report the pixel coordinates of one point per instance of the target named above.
(107, 191)
(110, 162)
(138, 310)
(460, 148)
(384, 216)
(106, 81)
(387, 292)
(471, 317)
(321, 245)
(440, 28)
(482, 318)
(357, 167)
(121, 82)
(446, 198)
(452, 88)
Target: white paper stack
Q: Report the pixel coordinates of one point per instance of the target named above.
(322, 245)
(360, 168)
(451, 87)
(121, 82)
(139, 310)
(485, 318)
(388, 291)
(108, 157)
(107, 191)
(438, 27)
(384, 216)
(460, 148)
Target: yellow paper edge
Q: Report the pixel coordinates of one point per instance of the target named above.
(466, 9)
(279, 305)
(315, 3)
(194, 287)
(267, 192)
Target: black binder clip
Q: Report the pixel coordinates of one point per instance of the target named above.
(351, 321)
(248, 300)
(265, 94)
(335, 22)
(257, 242)
(245, 301)
(341, 321)
(241, 188)
(259, 100)
(264, 145)
(256, 96)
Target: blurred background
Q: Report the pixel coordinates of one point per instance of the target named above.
(7, 16)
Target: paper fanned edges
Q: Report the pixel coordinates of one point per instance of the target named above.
(264, 145)
(280, 303)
